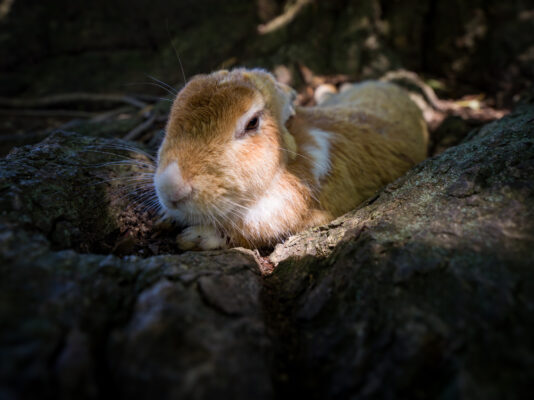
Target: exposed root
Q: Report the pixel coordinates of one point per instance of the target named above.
(289, 15)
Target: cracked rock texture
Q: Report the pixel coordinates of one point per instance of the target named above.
(425, 291)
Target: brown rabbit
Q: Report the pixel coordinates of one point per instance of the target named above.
(242, 166)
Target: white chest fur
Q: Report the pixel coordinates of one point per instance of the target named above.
(274, 210)
(319, 151)
(282, 203)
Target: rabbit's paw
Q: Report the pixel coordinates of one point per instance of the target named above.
(201, 237)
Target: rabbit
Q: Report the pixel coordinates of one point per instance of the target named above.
(242, 166)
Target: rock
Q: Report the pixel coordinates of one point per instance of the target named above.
(81, 193)
(424, 291)
(192, 339)
(90, 326)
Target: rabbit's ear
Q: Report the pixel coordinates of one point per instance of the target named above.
(290, 144)
(280, 95)
(287, 97)
(221, 73)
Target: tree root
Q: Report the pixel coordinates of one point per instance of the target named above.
(72, 98)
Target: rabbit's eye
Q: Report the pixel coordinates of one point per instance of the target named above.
(253, 123)
(251, 126)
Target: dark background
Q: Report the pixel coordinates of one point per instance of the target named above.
(64, 46)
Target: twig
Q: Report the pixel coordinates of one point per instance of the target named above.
(414, 79)
(71, 98)
(283, 19)
(148, 98)
(48, 113)
(134, 133)
(107, 115)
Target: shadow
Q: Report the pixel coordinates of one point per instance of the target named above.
(401, 319)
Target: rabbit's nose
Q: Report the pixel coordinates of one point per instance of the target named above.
(179, 193)
(171, 187)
